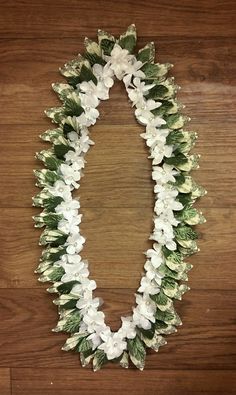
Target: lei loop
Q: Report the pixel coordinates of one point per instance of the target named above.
(153, 96)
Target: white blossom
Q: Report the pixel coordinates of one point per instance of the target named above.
(93, 319)
(144, 112)
(74, 271)
(113, 344)
(70, 225)
(133, 70)
(59, 188)
(160, 151)
(74, 243)
(68, 209)
(89, 103)
(71, 174)
(148, 286)
(86, 301)
(104, 74)
(139, 89)
(164, 174)
(119, 61)
(127, 329)
(84, 285)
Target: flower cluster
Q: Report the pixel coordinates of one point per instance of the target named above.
(61, 262)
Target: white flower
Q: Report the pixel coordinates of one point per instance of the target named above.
(166, 200)
(160, 151)
(80, 143)
(93, 319)
(74, 271)
(86, 301)
(70, 225)
(95, 337)
(164, 174)
(155, 255)
(85, 285)
(133, 70)
(90, 114)
(74, 243)
(127, 329)
(119, 61)
(74, 157)
(104, 74)
(61, 189)
(144, 312)
(144, 112)
(71, 174)
(163, 233)
(68, 209)
(73, 137)
(148, 286)
(113, 345)
(150, 270)
(98, 90)
(136, 95)
(154, 135)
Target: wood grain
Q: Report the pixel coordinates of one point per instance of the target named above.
(123, 236)
(5, 381)
(80, 17)
(36, 38)
(206, 340)
(72, 381)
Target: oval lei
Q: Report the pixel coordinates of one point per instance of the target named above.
(89, 78)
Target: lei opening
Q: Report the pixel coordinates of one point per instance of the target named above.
(89, 78)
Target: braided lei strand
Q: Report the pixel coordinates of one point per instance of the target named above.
(152, 94)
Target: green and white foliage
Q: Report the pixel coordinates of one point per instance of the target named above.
(152, 93)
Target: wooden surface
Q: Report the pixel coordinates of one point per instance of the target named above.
(36, 38)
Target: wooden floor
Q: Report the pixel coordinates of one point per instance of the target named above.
(36, 38)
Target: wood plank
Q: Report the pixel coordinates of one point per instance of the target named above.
(202, 67)
(72, 381)
(205, 341)
(117, 172)
(5, 381)
(117, 238)
(43, 19)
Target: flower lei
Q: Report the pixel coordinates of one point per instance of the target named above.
(89, 78)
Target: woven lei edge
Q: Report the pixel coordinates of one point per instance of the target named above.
(174, 268)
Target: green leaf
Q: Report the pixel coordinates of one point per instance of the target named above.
(176, 121)
(148, 333)
(71, 304)
(147, 54)
(107, 46)
(174, 256)
(157, 92)
(99, 360)
(61, 149)
(53, 254)
(150, 70)
(185, 198)
(51, 203)
(174, 137)
(73, 323)
(66, 288)
(176, 160)
(84, 345)
(106, 41)
(72, 108)
(128, 39)
(56, 274)
(137, 352)
(184, 232)
(86, 74)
